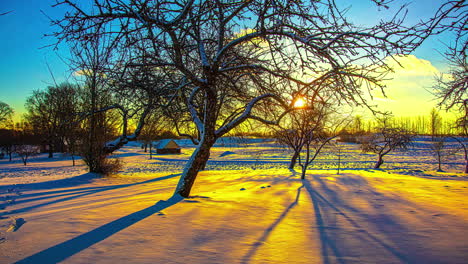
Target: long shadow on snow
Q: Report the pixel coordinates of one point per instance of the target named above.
(72, 194)
(329, 244)
(246, 259)
(62, 183)
(75, 245)
(330, 206)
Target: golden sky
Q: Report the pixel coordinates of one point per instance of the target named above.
(409, 90)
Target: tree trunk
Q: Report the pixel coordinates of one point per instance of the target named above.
(196, 163)
(51, 151)
(293, 161)
(466, 166)
(379, 162)
(339, 160)
(146, 145)
(439, 163)
(304, 168)
(151, 150)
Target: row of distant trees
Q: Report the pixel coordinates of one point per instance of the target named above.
(431, 124)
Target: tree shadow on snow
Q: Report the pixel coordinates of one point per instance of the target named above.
(348, 232)
(246, 259)
(69, 194)
(62, 183)
(75, 245)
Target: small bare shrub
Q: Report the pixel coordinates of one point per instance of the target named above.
(111, 166)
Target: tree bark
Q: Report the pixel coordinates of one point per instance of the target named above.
(379, 162)
(293, 161)
(196, 163)
(439, 163)
(51, 151)
(151, 150)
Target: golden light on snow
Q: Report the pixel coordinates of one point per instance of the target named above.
(299, 102)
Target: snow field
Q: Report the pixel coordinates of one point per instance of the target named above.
(246, 208)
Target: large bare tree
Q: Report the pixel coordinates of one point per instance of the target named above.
(234, 60)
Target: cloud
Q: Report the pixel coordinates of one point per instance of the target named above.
(86, 72)
(410, 65)
(409, 88)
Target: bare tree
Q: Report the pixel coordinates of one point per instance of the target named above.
(463, 145)
(51, 113)
(234, 61)
(322, 126)
(154, 125)
(386, 140)
(7, 141)
(26, 141)
(313, 145)
(112, 89)
(303, 127)
(26, 151)
(437, 147)
(289, 138)
(6, 114)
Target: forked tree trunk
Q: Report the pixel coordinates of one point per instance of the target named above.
(196, 163)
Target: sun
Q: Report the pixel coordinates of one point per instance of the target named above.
(299, 102)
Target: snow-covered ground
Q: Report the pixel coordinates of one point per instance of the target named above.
(246, 208)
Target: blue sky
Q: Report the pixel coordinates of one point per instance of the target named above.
(23, 60)
(23, 63)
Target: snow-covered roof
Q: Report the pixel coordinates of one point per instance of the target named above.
(167, 144)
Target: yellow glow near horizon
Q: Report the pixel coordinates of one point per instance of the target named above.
(299, 102)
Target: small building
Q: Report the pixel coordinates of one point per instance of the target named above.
(167, 146)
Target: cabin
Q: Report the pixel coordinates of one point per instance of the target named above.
(167, 146)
